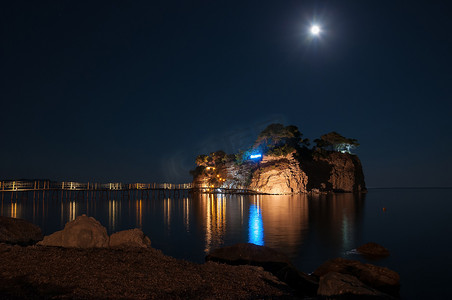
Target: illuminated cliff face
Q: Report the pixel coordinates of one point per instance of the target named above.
(279, 176)
(294, 173)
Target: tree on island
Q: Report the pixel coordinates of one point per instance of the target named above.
(214, 158)
(211, 166)
(333, 141)
(275, 135)
(277, 139)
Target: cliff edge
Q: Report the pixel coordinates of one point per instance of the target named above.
(335, 172)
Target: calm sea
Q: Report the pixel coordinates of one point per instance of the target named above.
(414, 224)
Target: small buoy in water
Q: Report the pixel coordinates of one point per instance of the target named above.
(384, 208)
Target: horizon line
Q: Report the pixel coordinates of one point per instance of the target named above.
(410, 187)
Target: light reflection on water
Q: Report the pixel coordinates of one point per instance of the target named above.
(309, 229)
(139, 213)
(305, 228)
(256, 227)
(215, 220)
(188, 227)
(114, 208)
(186, 206)
(281, 222)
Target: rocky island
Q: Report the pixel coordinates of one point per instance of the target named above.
(282, 162)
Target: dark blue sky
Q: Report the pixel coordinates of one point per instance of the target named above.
(132, 91)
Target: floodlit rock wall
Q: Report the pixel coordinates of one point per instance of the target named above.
(272, 175)
(279, 175)
(290, 174)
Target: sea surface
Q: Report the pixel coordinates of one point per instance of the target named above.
(414, 224)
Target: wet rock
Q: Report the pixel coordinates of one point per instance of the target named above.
(271, 260)
(83, 232)
(337, 285)
(373, 250)
(19, 231)
(380, 278)
(133, 238)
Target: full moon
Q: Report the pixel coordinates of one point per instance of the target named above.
(315, 30)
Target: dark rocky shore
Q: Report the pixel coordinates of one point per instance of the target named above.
(102, 273)
(83, 262)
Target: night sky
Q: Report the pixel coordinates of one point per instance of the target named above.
(132, 91)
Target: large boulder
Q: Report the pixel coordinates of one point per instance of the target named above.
(133, 238)
(373, 250)
(337, 285)
(83, 232)
(271, 260)
(380, 278)
(19, 231)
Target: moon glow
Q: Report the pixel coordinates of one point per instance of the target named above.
(315, 30)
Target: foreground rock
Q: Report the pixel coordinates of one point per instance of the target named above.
(271, 260)
(18, 231)
(83, 232)
(137, 273)
(336, 285)
(133, 238)
(373, 250)
(380, 278)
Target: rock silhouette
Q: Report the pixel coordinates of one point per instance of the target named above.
(18, 231)
(132, 238)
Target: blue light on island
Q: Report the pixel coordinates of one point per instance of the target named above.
(253, 156)
(255, 226)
